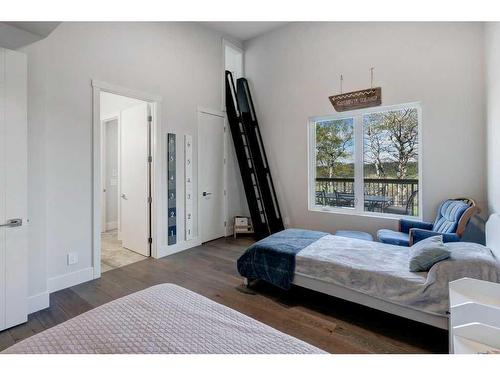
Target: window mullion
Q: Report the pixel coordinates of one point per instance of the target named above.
(358, 164)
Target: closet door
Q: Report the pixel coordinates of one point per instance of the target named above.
(13, 189)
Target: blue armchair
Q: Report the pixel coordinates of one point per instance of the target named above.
(452, 218)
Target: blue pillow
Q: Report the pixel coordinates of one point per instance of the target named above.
(424, 254)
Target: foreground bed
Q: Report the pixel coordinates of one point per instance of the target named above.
(163, 319)
(369, 273)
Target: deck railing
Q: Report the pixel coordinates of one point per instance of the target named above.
(394, 193)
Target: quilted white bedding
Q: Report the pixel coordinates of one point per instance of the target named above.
(382, 270)
(163, 319)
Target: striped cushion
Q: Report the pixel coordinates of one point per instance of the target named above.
(449, 214)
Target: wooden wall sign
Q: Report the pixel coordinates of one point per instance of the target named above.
(357, 99)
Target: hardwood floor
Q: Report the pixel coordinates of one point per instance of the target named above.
(329, 323)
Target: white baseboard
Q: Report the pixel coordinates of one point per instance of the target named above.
(38, 302)
(111, 225)
(163, 251)
(70, 279)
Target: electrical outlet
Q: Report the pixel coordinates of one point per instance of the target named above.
(72, 258)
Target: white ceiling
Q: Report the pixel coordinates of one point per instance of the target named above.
(14, 35)
(42, 29)
(243, 30)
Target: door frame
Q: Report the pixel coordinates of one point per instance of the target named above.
(222, 115)
(156, 166)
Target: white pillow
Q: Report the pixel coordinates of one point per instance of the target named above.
(424, 254)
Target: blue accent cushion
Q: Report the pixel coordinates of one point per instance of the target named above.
(449, 213)
(393, 237)
(424, 254)
(354, 234)
(419, 235)
(405, 225)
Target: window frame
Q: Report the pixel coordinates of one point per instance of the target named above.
(357, 116)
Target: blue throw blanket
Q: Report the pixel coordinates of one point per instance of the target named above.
(272, 259)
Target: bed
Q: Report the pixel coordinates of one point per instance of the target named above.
(370, 273)
(165, 319)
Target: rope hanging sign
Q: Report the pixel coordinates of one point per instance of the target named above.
(371, 97)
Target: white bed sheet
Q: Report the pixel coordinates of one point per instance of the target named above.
(382, 270)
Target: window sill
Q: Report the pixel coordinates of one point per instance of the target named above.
(353, 212)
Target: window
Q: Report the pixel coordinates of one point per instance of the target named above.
(366, 161)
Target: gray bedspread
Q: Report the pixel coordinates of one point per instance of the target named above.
(162, 319)
(381, 270)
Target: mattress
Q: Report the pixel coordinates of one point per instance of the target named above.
(167, 319)
(381, 270)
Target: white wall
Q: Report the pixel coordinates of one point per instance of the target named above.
(182, 62)
(492, 53)
(37, 183)
(294, 69)
(233, 61)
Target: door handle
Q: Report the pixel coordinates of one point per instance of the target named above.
(124, 196)
(205, 193)
(12, 223)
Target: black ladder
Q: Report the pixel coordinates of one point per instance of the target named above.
(252, 159)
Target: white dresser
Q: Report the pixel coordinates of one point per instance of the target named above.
(474, 317)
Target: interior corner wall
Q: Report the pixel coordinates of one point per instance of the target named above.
(492, 57)
(294, 69)
(181, 62)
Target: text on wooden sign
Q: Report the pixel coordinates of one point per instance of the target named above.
(357, 99)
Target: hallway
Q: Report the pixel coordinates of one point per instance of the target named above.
(113, 255)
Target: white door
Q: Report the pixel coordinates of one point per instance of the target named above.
(211, 149)
(13, 189)
(103, 177)
(134, 179)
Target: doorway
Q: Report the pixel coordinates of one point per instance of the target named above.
(125, 233)
(212, 175)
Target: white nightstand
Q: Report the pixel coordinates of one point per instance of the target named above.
(474, 317)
